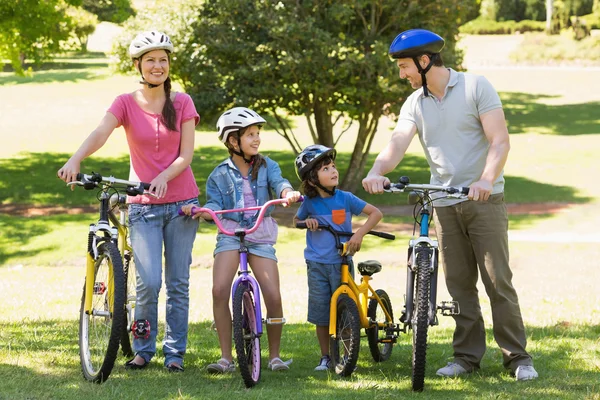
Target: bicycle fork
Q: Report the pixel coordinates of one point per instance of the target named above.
(447, 308)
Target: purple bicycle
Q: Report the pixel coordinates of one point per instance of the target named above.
(246, 299)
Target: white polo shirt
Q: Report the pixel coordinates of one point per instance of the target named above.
(450, 130)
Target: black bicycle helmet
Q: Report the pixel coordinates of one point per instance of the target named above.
(414, 43)
(310, 156)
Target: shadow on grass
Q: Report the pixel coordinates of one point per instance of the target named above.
(525, 113)
(51, 346)
(30, 178)
(17, 232)
(62, 69)
(57, 77)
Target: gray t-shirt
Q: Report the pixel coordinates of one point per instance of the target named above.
(450, 130)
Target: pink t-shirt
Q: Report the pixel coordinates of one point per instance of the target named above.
(153, 147)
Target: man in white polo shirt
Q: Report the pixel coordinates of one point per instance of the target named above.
(461, 126)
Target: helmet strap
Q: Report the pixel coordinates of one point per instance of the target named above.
(323, 188)
(241, 153)
(424, 71)
(143, 81)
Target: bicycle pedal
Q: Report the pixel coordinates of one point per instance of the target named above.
(449, 308)
(141, 329)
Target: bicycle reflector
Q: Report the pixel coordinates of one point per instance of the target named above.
(141, 329)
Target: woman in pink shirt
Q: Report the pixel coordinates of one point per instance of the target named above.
(160, 133)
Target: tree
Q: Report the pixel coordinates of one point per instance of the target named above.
(116, 11)
(83, 25)
(322, 59)
(32, 29)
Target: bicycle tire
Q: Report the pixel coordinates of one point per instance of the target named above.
(380, 344)
(130, 299)
(245, 335)
(420, 320)
(100, 332)
(345, 346)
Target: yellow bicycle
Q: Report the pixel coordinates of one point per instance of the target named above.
(353, 307)
(109, 293)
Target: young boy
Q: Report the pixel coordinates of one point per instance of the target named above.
(324, 204)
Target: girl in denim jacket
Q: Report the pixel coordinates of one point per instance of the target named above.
(245, 179)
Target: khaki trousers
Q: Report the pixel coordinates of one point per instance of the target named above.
(473, 240)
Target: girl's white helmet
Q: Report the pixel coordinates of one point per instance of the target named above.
(148, 41)
(235, 119)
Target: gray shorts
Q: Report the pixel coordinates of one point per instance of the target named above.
(323, 280)
(227, 243)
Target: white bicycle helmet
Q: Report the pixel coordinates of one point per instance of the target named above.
(148, 41)
(235, 119)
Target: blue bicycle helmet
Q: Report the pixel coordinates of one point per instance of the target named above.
(413, 43)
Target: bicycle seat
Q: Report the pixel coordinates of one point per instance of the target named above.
(369, 267)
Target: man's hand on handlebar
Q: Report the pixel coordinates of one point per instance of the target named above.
(374, 183)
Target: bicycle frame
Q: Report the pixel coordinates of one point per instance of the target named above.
(117, 233)
(423, 243)
(244, 277)
(358, 293)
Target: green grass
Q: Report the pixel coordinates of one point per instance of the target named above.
(45, 355)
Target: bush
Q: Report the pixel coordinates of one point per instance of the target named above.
(591, 21)
(557, 49)
(482, 26)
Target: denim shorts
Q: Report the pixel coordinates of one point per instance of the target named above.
(227, 243)
(323, 280)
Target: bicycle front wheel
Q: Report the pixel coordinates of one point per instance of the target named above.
(130, 284)
(381, 343)
(420, 320)
(345, 346)
(245, 335)
(100, 329)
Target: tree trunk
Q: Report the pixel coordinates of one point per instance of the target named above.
(355, 171)
(323, 123)
(549, 12)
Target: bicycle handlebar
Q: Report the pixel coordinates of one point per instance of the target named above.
(90, 182)
(384, 235)
(261, 214)
(405, 184)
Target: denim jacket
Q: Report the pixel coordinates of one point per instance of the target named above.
(224, 189)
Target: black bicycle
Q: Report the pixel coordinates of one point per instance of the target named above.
(420, 308)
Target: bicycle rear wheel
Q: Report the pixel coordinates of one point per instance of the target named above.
(100, 330)
(345, 346)
(420, 320)
(130, 284)
(245, 335)
(381, 343)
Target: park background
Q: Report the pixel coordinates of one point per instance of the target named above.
(553, 113)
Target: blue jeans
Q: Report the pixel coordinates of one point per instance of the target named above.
(153, 225)
(323, 280)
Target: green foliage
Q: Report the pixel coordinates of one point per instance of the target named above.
(32, 29)
(481, 26)
(84, 23)
(116, 11)
(319, 59)
(591, 21)
(173, 20)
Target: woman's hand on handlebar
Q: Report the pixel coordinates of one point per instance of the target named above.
(69, 171)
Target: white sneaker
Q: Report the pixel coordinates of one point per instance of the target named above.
(324, 364)
(451, 370)
(525, 373)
